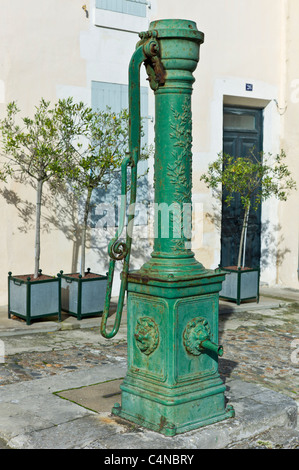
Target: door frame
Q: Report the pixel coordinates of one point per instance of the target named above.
(232, 91)
(239, 136)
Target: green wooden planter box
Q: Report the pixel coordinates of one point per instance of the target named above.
(83, 296)
(240, 284)
(30, 298)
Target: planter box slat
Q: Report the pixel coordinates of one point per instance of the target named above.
(49, 296)
(240, 285)
(83, 296)
(17, 297)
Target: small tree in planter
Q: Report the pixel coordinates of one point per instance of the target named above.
(255, 181)
(36, 153)
(97, 154)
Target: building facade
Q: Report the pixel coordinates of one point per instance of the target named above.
(246, 90)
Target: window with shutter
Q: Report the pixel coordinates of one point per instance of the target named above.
(115, 96)
(130, 7)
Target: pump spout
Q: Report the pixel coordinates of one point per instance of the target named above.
(207, 344)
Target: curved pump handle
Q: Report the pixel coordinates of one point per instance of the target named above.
(147, 51)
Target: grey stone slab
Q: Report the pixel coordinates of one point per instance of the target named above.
(29, 411)
(99, 397)
(98, 431)
(78, 433)
(236, 388)
(256, 414)
(14, 420)
(68, 380)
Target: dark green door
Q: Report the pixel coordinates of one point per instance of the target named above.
(242, 131)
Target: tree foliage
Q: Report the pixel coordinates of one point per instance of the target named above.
(68, 142)
(36, 152)
(96, 151)
(255, 180)
(34, 146)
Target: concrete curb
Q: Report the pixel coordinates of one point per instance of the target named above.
(11, 327)
(70, 323)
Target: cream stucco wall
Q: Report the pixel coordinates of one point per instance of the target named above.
(52, 49)
(245, 42)
(39, 50)
(287, 271)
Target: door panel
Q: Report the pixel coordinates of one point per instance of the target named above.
(242, 132)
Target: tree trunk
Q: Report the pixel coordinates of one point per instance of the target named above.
(39, 191)
(84, 230)
(244, 226)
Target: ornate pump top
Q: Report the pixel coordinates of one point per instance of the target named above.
(169, 28)
(173, 59)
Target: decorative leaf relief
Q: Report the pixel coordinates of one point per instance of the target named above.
(177, 170)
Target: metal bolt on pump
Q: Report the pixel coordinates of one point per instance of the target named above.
(172, 383)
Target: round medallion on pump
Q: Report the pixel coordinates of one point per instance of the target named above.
(146, 335)
(196, 331)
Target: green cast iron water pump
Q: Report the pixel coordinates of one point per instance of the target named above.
(172, 383)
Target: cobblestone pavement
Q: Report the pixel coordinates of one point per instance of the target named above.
(264, 348)
(35, 365)
(259, 347)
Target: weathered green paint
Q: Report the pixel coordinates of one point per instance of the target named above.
(172, 383)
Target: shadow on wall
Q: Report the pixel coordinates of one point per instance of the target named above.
(274, 250)
(103, 227)
(63, 211)
(25, 209)
(58, 212)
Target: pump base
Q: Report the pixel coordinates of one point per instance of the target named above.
(172, 417)
(172, 383)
